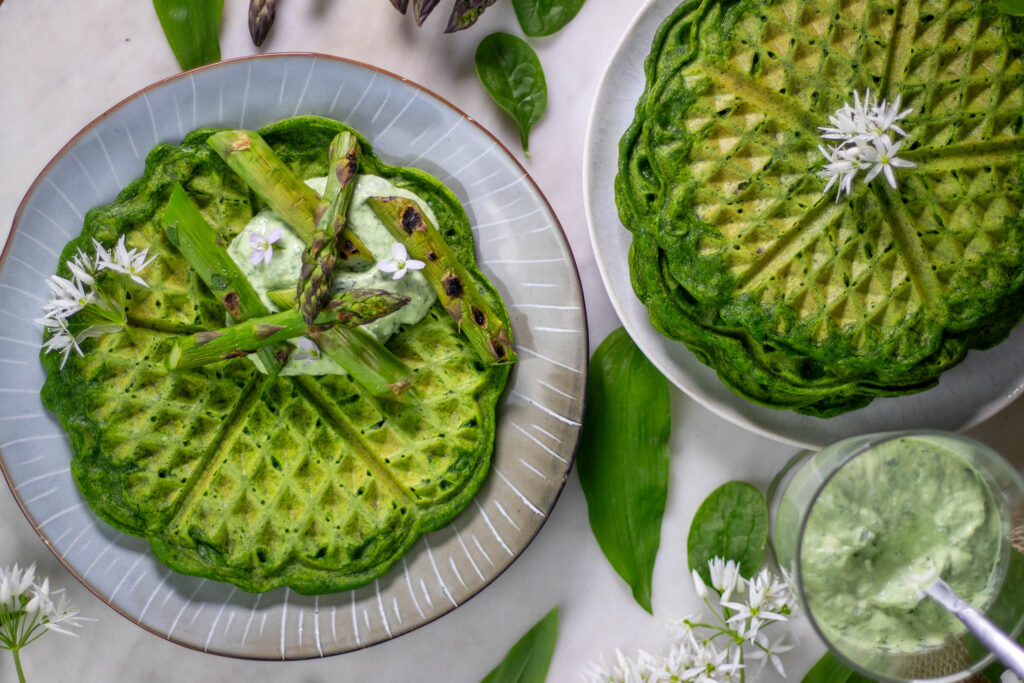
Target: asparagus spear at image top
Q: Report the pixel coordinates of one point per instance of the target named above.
(349, 308)
(250, 157)
(187, 230)
(261, 18)
(316, 279)
(357, 352)
(483, 327)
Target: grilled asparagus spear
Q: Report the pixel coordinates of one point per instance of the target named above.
(186, 229)
(316, 280)
(358, 352)
(250, 156)
(347, 309)
(483, 327)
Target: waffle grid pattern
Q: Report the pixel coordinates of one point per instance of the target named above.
(722, 172)
(306, 482)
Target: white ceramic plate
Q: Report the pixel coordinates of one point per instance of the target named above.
(967, 394)
(539, 415)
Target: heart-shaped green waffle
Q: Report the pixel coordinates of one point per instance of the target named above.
(796, 298)
(307, 482)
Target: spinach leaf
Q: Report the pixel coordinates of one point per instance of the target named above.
(731, 523)
(544, 17)
(1014, 7)
(623, 459)
(191, 27)
(529, 659)
(511, 72)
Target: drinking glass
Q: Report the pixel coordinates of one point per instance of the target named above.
(796, 492)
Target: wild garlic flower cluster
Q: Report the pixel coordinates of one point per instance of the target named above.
(84, 294)
(28, 610)
(718, 649)
(864, 137)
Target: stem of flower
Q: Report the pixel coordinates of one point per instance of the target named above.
(724, 621)
(17, 665)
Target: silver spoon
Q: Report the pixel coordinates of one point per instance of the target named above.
(991, 636)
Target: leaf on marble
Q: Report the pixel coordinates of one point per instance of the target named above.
(511, 72)
(530, 657)
(544, 17)
(731, 523)
(623, 459)
(192, 28)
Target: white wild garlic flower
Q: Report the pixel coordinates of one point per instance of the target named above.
(28, 609)
(83, 294)
(400, 262)
(704, 650)
(865, 143)
(130, 262)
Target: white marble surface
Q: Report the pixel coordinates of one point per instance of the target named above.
(62, 63)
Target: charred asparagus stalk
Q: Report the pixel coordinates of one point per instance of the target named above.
(483, 327)
(348, 309)
(357, 352)
(187, 230)
(316, 280)
(250, 156)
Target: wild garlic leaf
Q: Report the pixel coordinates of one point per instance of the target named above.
(623, 459)
(191, 27)
(829, 669)
(544, 17)
(1014, 7)
(731, 523)
(530, 657)
(511, 72)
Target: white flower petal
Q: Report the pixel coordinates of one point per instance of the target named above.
(399, 252)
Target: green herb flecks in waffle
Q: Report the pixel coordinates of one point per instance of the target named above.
(309, 482)
(873, 294)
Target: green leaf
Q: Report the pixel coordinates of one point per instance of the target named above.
(829, 669)
(191, 27)
(511, 72)
(623, 459)
(544, 17)
(731, 523)
(529, 659)
(1014, 7)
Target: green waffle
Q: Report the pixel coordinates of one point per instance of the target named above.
(308, 482)
(797, 300)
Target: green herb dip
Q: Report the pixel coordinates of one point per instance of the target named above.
(283, 270)
(884, 528)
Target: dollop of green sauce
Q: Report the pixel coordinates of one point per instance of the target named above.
(884, 528)
(284, 268)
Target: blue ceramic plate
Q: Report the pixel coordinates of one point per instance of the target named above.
(539, 415)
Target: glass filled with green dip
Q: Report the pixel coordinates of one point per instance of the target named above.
(863, 527)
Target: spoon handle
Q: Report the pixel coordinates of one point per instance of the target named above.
(991, 636)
